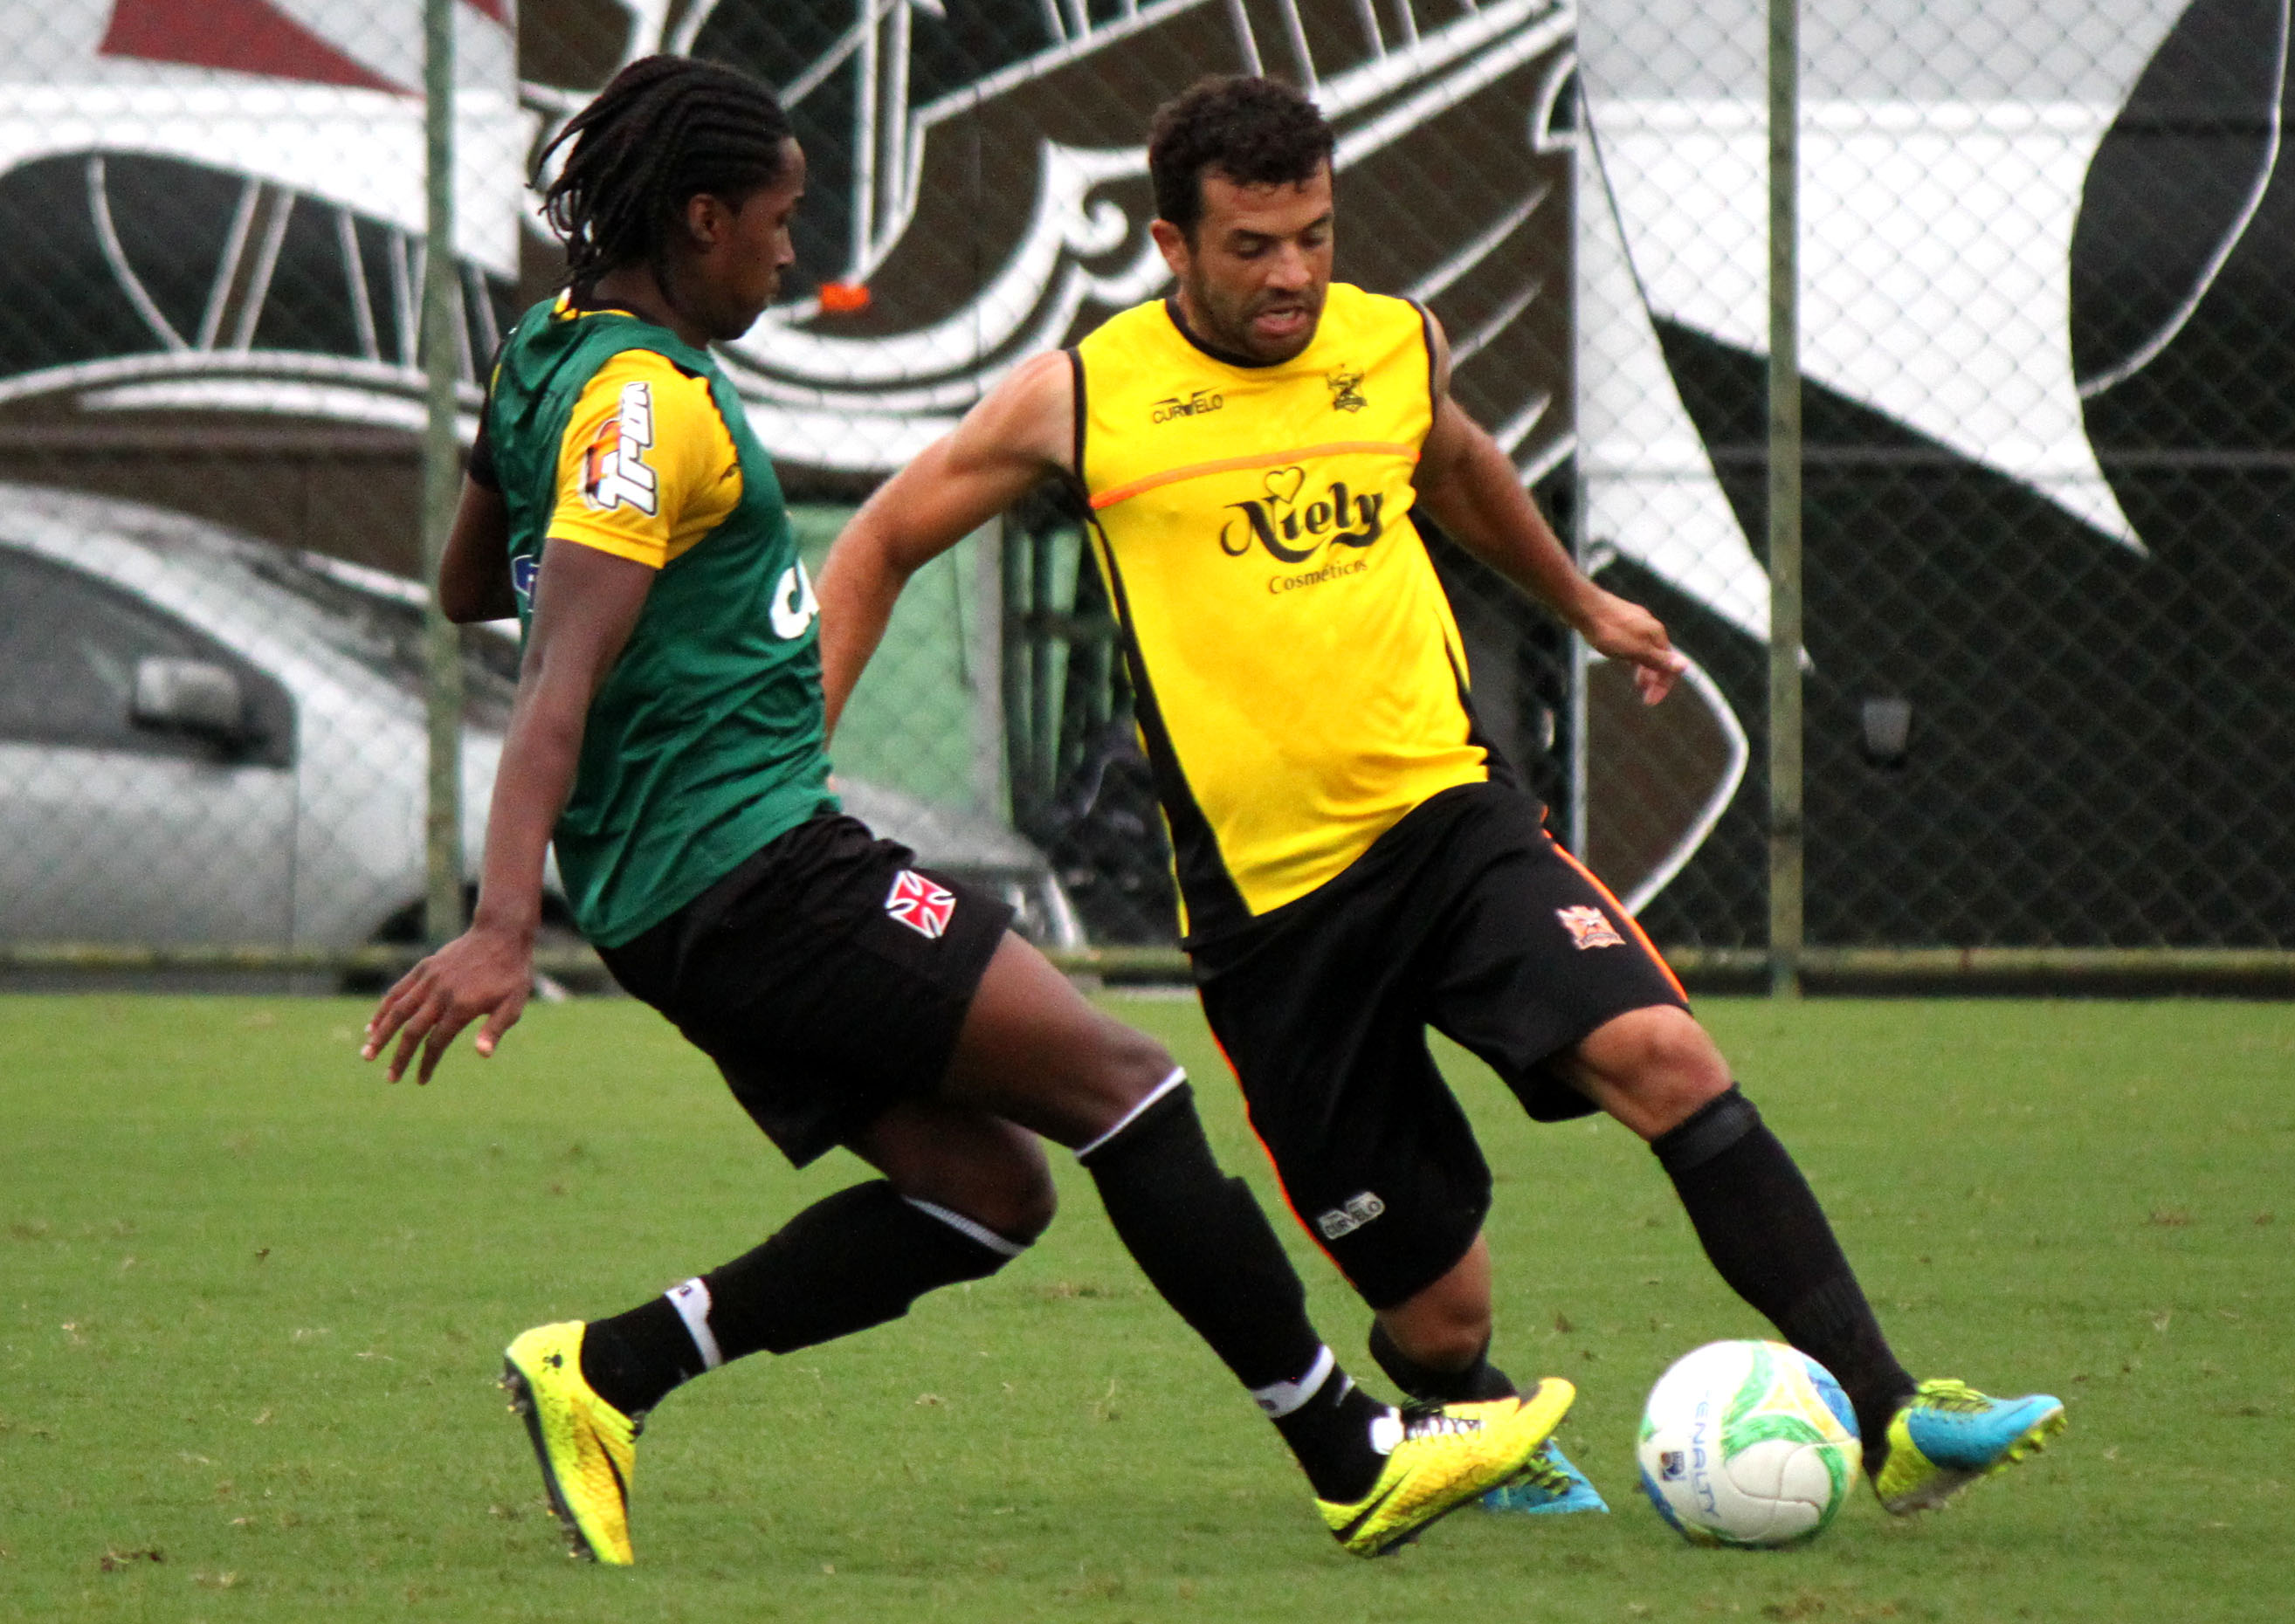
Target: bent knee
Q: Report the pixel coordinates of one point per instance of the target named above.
(1115, 1076)
(1660, 1049)
(1030, 1204)
(1650, 1068)
(990, 1171)
(1134, 1064)
(1011, 1192)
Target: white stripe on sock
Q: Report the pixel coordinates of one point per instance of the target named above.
(1179, 1075)
(690, 1299)
(1285, 1397)
(964, 1226)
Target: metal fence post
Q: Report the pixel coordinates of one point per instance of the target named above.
(441, 480)
(1785, 453)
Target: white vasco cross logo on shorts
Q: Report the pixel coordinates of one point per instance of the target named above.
(1588, 927)
(613, 471)
(1359, 1211)
(922, 906)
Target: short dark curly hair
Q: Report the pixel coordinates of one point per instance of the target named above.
(1256, 131)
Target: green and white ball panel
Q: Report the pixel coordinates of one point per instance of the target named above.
(1748, 1443)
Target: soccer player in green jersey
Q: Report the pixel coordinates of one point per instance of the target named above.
(668, 736)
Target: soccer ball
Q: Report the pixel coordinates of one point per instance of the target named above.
(1748, 1443)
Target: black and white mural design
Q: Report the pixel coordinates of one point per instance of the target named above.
(2050, 505)
(218, 210)
(2046, 314)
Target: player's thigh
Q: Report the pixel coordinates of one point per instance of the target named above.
(991, 1170)
(1034, 1050)
(828, 977)
(1538, 958)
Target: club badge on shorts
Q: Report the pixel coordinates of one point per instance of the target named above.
(922, 906)
(1588, 927)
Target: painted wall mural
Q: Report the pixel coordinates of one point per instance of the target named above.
(2051, 469)
(2047, 318)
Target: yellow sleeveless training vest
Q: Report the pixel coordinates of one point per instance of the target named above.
(1300, 681)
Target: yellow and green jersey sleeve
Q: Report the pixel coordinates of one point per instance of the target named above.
(1300, 681)
(646, 466)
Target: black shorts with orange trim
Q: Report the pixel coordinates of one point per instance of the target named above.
(826, 975)
(1466, 918)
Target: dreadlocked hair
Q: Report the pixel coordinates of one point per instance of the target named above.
(1256, 132)
(663, 131)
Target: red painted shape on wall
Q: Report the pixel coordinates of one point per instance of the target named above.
(242, 36)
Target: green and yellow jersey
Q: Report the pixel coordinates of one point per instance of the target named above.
(706, 740)
(1300, 681)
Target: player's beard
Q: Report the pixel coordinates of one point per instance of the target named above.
(1229, 323)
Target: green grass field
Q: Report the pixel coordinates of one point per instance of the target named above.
(252, 1301)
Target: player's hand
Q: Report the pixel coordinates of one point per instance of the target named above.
(482, 972)
(1625, 631)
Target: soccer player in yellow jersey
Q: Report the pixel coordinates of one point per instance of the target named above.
(1355, 862)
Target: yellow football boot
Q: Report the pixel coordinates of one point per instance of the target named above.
(588, 1448)
(1444, 1457)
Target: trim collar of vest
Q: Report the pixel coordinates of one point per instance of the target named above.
(1225, 357)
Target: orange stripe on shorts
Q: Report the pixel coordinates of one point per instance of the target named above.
(1281, 1189)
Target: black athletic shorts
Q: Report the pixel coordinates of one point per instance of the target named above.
(1465, 917)
(827, 976)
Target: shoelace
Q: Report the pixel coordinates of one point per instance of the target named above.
(1957, 1398)
(1432, 1421)
(1542, 1473)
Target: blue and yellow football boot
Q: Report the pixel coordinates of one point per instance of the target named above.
(1444, 1455)
(1552, 1487)
(1948, 1435)
(588, 1448)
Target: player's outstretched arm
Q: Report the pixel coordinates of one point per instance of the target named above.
(1022, 430)
(585, 604)
(1474, 491)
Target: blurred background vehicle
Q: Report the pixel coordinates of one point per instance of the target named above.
(207, 738)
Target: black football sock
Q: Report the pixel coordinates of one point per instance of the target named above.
(633, 1358)
(1478, 1381)
(1203, 1243)
(1761, 1225)
(851, 1260)
(1327, 1420)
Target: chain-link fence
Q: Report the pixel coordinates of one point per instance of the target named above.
(2049, 494)
(2049, 461)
